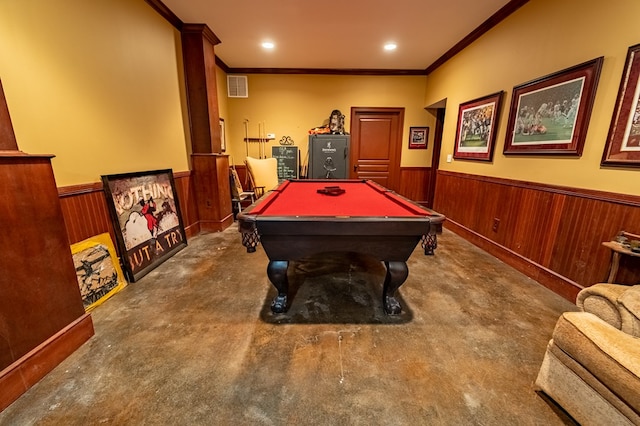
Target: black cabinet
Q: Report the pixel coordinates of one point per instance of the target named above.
(328, 156)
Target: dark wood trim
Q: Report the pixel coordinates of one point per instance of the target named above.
(435, 159)
(17, 378)
(165, 12)
(86, 188)
(610, 197)
(201, 30)
(493, 20)
(327, 71)
(224, 67)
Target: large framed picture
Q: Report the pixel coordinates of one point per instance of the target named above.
(146, 218)
(476, 130)
(623, 142)
(418, 137)
(550, 115)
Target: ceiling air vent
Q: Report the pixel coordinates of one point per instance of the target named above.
(237, 86)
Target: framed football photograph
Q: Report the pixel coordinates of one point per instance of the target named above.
(476, 129)
(550, 115)
(623, 143)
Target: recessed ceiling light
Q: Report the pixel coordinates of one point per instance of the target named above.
(268, 45)
(390, 46)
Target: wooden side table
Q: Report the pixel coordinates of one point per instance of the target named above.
(617, 249)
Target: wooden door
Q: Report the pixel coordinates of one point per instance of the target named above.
(376, 145)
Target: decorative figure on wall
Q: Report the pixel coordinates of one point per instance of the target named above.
(336, 123)
(286, 140)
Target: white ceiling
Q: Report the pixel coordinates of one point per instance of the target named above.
(335, 35)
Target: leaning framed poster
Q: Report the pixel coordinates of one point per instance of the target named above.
(146, 218)
(97, 269)
(550, 115)
(623, 143)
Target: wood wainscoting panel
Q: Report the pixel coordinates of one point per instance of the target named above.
(85, 211)
(188, 207)
(414, 183)
(552, 234)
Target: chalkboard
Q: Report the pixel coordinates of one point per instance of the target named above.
(287, 157)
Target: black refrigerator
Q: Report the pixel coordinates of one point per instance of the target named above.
(328, 156)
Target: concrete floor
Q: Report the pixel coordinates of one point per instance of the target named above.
(194, 342)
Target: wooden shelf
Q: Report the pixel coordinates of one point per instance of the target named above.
(258, 139)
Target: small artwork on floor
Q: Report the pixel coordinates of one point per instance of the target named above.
(98, 271)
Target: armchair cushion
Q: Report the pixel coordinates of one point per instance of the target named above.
(610, 354)
(263, 173)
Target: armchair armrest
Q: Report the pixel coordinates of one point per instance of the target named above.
(602, 301)
(630, 310)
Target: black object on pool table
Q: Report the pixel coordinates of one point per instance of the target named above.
(331, 190)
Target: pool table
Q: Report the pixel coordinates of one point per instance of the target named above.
(300, 218)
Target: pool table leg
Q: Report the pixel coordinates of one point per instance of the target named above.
(397, 273)
(277, 273)
(429, 243)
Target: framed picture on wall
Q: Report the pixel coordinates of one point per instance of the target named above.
(223, 136)
(477, 125)
(550, 115)
(418, 137)
(623, 142)
(146, 219)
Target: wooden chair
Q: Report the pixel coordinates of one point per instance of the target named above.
(238, 194)
(263, 174)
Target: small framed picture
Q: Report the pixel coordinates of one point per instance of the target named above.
(476, 131)
(223, 136)
(550, 115)
(418, 137)
(623, 144)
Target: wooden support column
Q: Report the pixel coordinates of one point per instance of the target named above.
(7, 136)
(42, 319)
(210, 167)
(211, 183)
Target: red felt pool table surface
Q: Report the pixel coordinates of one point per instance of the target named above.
(360, 199)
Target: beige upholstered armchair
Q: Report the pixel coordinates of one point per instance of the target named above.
(263, 174)
(592, 364)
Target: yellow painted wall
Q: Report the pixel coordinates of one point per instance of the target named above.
(97, 83)
(542, 37)
(290, 105)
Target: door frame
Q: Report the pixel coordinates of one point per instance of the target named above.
(435, 159)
